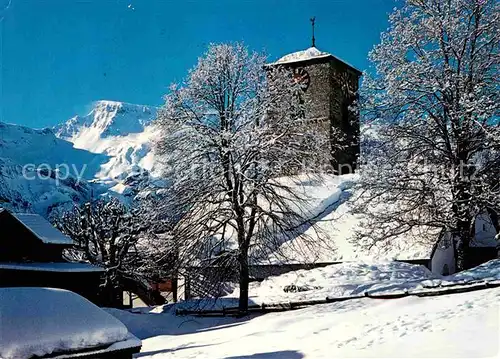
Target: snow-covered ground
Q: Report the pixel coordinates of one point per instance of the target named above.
(357, 278)
(350, 279)
(458, 325)
(328, 201)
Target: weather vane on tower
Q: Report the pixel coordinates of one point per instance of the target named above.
(313, 21)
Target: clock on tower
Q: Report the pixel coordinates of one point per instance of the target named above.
(301, 77)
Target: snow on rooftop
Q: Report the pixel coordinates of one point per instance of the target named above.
(307, 54)
(53, 267)
(131, 342)
(42, 229)
(42, 321)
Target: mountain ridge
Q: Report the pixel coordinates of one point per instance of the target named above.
(105, 152)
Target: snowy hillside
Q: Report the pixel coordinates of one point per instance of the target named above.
(24, 145)
(356, 278)
(331, 202)
(39, 172)
(339, 280)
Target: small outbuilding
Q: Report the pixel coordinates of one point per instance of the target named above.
(484, 245)
(31, 255)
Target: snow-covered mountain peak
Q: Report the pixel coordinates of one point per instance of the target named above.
(121, 131)
(106, 119)
(109, 149)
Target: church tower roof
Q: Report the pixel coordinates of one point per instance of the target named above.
(303, 55)
(310, 54)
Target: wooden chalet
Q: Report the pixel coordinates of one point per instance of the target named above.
(31, 255)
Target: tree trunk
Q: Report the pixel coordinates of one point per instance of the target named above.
(175, 286)
(244, 280)
(462, 250)
(463, 206)
(463, 244)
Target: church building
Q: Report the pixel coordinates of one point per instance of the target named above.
(330, 88)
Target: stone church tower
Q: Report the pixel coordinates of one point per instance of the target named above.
(330, 87)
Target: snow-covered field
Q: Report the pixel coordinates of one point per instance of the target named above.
(458, 325)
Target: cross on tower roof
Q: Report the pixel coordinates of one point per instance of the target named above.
(313, 20)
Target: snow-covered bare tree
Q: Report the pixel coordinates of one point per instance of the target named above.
(435, 101)
(227, 136)
(107, 233)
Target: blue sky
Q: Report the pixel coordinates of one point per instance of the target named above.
(58, 56)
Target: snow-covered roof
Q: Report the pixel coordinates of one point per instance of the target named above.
(52, 267)
(128, 344)
(303, 55)
(311, 53)
(42, 229)
(42, 321)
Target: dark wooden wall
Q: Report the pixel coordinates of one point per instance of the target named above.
(87, 284)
